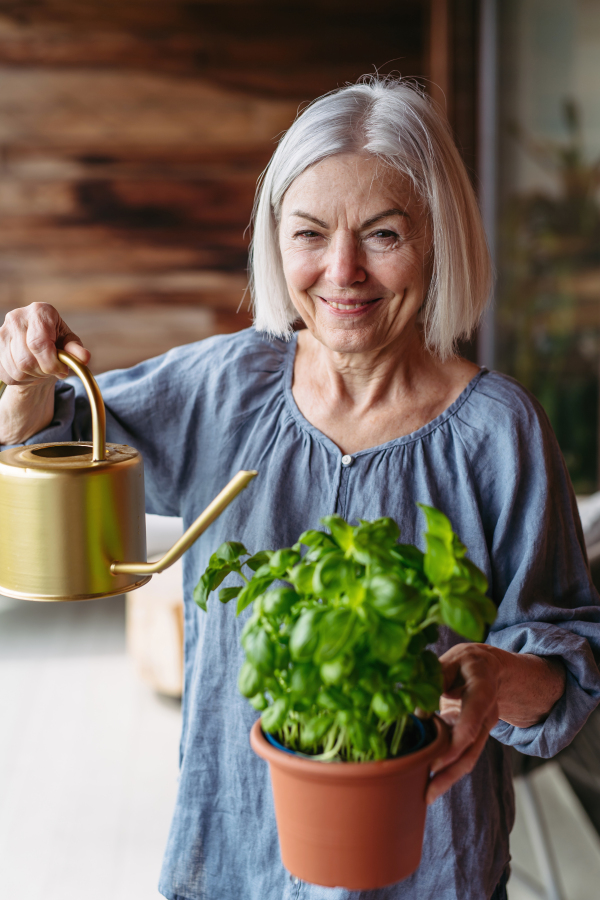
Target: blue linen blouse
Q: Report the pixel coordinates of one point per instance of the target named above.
(490, 462)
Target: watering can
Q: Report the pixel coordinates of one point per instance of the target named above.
(72, 515)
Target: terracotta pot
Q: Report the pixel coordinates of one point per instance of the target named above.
(353, 825)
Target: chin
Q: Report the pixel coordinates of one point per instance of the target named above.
(348, 340)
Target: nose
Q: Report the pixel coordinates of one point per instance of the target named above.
(344, 263)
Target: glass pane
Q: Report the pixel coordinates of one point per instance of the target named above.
(548, 297)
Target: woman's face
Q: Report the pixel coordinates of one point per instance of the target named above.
(354, 243)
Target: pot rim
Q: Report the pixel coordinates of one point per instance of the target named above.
(335, 770)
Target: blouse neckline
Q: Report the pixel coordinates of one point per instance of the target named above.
(412, 437)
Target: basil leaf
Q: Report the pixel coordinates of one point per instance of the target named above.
(279, 601)
(313, 730)
(475, 575)
(211, 579)
(438, 525)
(228, 552)
(305, 636)
(332, 575)
(342, 533)
(259, 702)
(281, 561)
(227, 594)
(389, 642)
(439, 560)
(301, 576)
(336, 670)
(304, 681)
(385, 706)
(462, 618)
(426, 697)
(316, 539)
(274, 716)
(259, 648)
(250, 680)
(335, 634)
(409, 556)
(258, 560)
(251, 591)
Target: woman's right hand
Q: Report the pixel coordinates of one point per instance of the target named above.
(29, 366)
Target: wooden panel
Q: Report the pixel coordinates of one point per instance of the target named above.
(132, 134)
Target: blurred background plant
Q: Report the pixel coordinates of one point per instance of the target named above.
(548, 326)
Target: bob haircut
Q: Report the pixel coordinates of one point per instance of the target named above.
(392, 120)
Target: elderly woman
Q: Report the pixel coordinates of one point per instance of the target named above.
(367, 232)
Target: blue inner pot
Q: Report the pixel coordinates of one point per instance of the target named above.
(419, 741)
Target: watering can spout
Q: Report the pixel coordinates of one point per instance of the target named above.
(212, 512)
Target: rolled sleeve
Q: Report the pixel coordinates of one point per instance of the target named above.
(539, 574)
(582, 687)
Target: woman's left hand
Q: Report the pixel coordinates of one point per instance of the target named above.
(481, 685)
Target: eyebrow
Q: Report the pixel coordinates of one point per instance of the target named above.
(382, 215)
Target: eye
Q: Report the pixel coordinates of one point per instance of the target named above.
(384, 234)
(307, 235)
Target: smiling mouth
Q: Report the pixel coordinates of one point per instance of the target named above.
(347, 307)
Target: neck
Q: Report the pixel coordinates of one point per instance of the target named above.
(367, 379)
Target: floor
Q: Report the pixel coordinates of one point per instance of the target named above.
(88, 768)
(88, 757)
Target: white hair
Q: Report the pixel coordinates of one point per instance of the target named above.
(392, 120)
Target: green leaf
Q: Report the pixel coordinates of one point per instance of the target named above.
(259, 702)
(250, 681)
(229, 552)
(279, 601)
(438, 525)
(331, 576)
(385, 706)
(336, 670)
(227, 594)
(462, 618)
(439, 560)
(426, 697)
(317, 539)
(304, 681)
(313, 730)
(281, 561)
(251, 591)
(274, 716)
(336, 633)
(333, 698)
(305, 635)
(394, 599)
(258, 560)
(342, 533)
(475, 575)
(260, 650)
(211, 579)
(301, 576)
(389, 642)
(409, 556)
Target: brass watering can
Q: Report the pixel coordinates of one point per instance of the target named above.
(72, 515)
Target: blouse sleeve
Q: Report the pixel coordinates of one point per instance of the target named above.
(547, 603)
(147, 407)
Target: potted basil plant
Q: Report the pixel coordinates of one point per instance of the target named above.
(337, 664)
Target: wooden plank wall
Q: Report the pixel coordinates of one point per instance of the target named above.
(132, 133)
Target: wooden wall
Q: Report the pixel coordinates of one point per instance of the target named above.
(132, 133)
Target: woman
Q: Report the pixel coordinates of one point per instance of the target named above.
(366, 229)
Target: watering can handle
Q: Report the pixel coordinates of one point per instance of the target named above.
(96, 403)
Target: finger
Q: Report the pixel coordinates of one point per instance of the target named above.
(73, 345)
(443, 780)
(43, 331)
(18, 361)
(478, 705)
